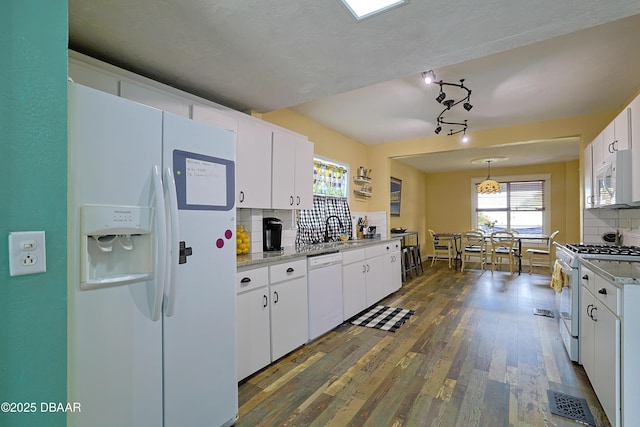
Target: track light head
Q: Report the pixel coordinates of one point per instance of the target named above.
(428, 76)
(438, 130)
(441, 97)
(448, 103)
(467, 106)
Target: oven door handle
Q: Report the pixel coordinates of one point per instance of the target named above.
(566, 269)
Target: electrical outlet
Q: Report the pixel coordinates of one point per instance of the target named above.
(27, 253)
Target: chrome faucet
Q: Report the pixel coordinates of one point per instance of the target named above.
(326, 226)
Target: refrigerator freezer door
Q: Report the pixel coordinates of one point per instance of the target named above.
(114, 358)
(200, 381)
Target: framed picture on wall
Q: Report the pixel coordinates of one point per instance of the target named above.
(396, 195)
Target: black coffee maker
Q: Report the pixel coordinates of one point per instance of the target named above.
(271, 234)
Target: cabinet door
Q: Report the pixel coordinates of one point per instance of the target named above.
(289, 316)
(598, 151)
(606, 378)
(635, 148)
(283, 164)
(587, 333)
(304, 174)
(252, 320)
(622, 140)
(395, 272)
(154, 98)
(354, 289)
(214, 117)
(375, 279)
(588, 177)
(253, 165)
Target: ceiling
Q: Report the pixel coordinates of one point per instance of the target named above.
(525, 61)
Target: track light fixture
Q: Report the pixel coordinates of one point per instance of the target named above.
(429, 77)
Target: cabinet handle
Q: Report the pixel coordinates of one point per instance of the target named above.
(589, 308)
(266, 301)
(368, 268)
(290, 270)
(245, 280)
(298, 200)
(602, 291)
(364, 268)
(275, 297)
(241, 196)
(595, 319)
(585, 277)
(290, 200)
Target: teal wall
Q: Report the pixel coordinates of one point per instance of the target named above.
(33, 196)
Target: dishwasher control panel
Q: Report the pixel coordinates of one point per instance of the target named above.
(320, 260)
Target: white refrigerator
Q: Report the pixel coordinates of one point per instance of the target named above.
(151, 265)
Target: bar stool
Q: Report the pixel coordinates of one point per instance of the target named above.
(416, 259)
(406, 264)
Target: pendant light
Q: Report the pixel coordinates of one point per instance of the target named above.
(489, 186)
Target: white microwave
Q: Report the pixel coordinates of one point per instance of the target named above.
(612, 182)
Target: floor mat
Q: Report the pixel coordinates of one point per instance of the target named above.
(383, 317)
(574, 408)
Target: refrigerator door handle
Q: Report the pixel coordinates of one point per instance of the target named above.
(173, 237)
(161, 255)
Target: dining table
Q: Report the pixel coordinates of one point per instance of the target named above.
(456, 238)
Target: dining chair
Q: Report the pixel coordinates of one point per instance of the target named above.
(503, 246)
(442, 248)
(473, 245)
(542, 254)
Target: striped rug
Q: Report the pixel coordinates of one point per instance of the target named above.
(383, 317)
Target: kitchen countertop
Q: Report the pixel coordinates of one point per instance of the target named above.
(305, 250)
(619, 272)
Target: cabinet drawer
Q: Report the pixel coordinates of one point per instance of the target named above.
(609, 295)
(390, 247)
(354, 255)
(288, 270)
(374, 251)
(251, 279)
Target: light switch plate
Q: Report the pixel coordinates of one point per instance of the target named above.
(27, 254)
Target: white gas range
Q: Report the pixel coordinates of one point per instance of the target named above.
(568, 301)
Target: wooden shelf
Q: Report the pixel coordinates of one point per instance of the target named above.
(361, 180)
(362, 193)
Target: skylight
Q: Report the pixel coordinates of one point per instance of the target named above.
(364, 8)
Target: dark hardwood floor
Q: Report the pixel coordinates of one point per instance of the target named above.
(474, 354)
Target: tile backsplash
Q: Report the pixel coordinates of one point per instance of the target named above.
(600, 221)
(251, 220)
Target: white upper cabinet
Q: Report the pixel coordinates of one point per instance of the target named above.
(292, 171)
(635, 148)
(93, 77)
(589, 199)
(214, 117)
(304, 174)
(155, 98)
(253, 164)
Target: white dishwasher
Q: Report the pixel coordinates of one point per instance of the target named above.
(325, 293)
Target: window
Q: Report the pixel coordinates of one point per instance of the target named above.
(330, 178)
(522, 206)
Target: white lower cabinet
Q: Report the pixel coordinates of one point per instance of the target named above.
(600, 341)
(354, 285)
(253, 331)
(375, 279)
(368, 275)
(393, 267)
(272, 313)
(289, 307)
